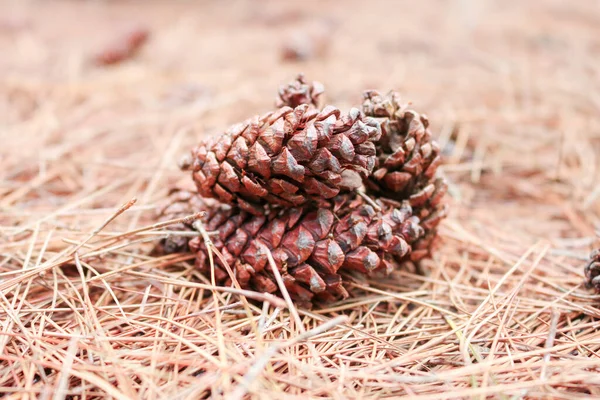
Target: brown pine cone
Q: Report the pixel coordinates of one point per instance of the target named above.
(407, 160)
(407, 156)
(288, 157)
(592, 271)
(311, 247)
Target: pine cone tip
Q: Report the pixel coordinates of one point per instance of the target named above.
(377, 105)
(300, 91)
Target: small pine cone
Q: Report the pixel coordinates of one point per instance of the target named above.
(592, 271)
(407, 156)
(407, 160)
(287, 158)
(312, 248)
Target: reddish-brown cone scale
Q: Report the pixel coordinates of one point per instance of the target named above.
(311, 247)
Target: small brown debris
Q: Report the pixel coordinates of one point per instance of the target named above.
(125, 45)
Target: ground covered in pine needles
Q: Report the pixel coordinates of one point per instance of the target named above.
(512, 90)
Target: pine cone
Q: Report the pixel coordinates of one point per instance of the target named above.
(592, 271)
(288, 157)
(407, 156)
(407, 160)
(311, 247)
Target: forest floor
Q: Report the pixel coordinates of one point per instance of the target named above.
(512, 90)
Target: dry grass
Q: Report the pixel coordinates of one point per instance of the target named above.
(513, 90)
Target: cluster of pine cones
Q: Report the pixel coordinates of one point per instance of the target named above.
(327, 194)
